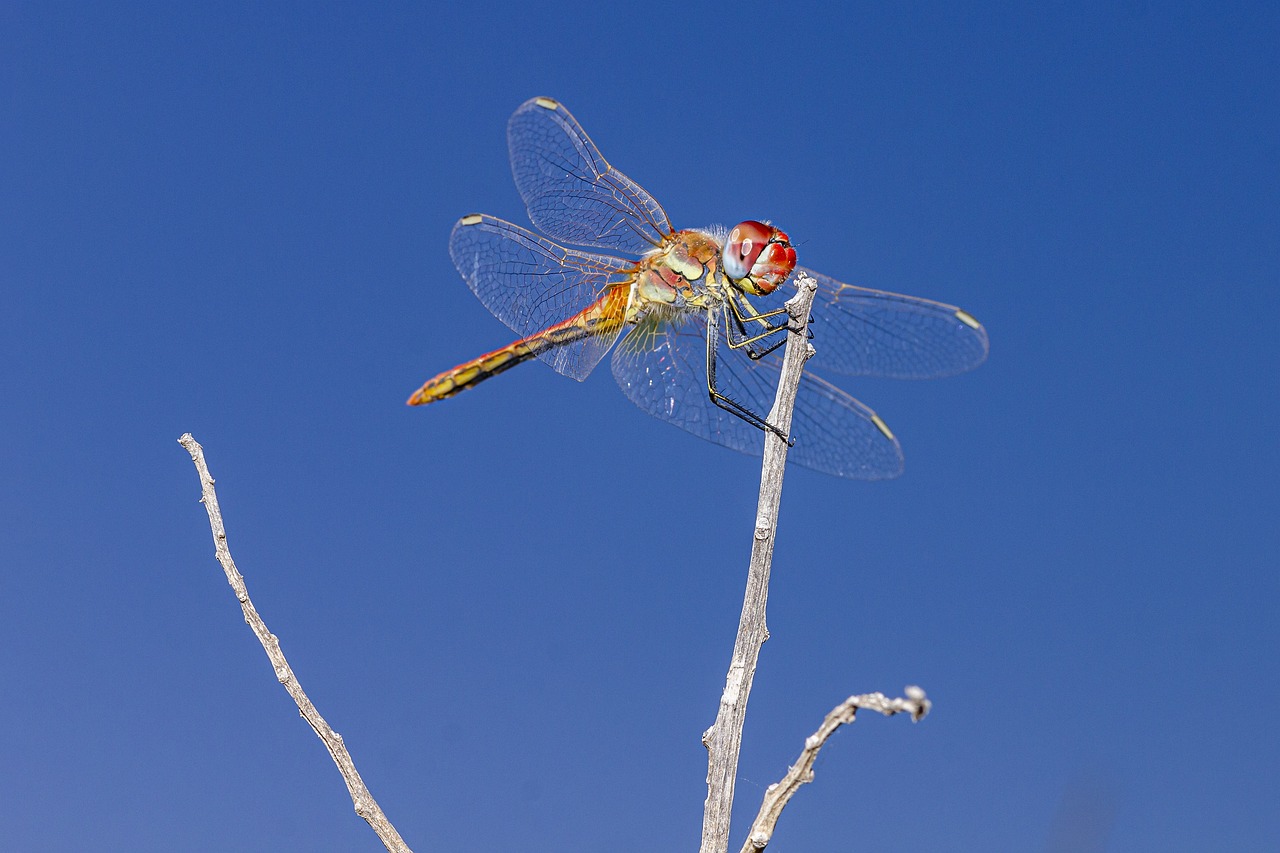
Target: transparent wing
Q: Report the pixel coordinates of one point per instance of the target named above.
(863, 332)
(661, 367)
(571, 191)
(531, 284)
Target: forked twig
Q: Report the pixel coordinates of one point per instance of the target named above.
(365, 805)
(724, 739)
(777, 795)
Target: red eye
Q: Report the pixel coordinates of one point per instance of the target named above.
(746, 241)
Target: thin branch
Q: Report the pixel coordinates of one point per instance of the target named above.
(724, 739)
(365, 805)
(777, 795)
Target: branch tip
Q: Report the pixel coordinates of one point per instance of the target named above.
(365, 805)
(916, 704)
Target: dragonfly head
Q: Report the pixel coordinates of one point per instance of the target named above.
(758, 257)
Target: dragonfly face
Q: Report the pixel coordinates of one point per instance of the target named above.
(758, 257)
(692, 346)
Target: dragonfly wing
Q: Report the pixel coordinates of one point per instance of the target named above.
(835, 433)
(661, 367)
(571, 191)
(864, 332)
(532, 284)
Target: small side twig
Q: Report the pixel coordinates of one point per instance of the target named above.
(365, 805)
(777, 795)
(724, 739)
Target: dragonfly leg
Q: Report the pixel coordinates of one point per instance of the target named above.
(741, 314)
(756, 353)
(730, 405)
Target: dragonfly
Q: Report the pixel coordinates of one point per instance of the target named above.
(686, 312)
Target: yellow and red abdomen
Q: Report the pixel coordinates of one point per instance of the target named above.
(603, 317)
(465, 375)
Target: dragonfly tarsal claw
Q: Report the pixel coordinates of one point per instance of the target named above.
(796, 327)
(791, 442)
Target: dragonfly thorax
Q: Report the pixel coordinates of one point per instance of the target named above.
(683, 274)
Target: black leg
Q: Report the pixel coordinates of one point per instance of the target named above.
(730, 405)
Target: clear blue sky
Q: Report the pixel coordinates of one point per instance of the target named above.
(518, 605)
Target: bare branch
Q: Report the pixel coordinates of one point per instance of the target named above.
(365, 805)
(777, 795)
(724, 739)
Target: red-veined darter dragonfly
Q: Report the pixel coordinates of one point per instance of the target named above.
(695, 349)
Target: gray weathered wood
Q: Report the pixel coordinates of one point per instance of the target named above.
(777, 795)
(365, 805)
(724, 739)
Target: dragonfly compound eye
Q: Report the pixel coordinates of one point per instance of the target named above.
(758, 257)
(746, 241)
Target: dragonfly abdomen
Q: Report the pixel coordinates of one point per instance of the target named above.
(601, 318)
(465, 375)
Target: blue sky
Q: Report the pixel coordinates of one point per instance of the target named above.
(518, 605)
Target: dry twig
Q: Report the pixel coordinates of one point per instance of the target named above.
(777, 795)
(724, 739)
(365, 805)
